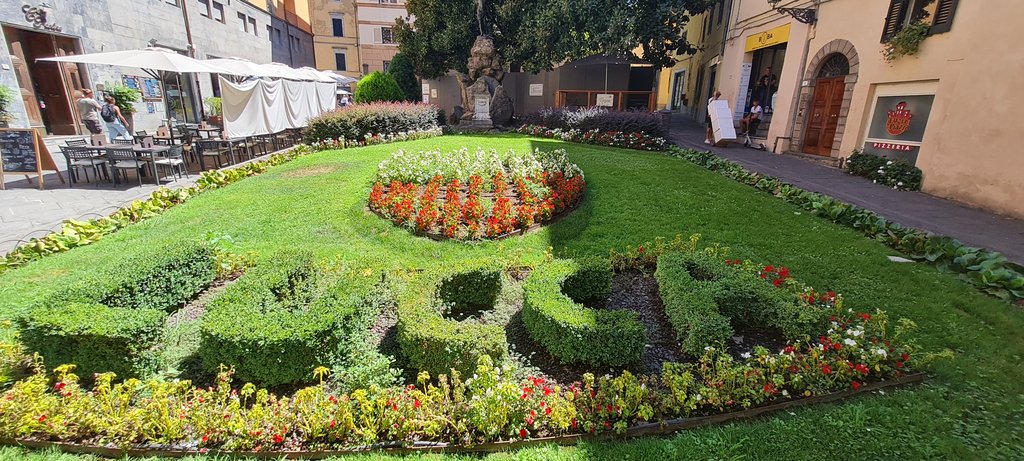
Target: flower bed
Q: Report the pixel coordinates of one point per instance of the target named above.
(639, 141)
(598, 118)
(463, 195)
(570, 331)
(894, 173)
(76, 233)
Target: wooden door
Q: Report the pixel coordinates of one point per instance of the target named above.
(27, 90)
(825, 107)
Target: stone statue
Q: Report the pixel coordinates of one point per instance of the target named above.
(484, 100)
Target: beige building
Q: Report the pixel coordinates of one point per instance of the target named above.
(376, 21)
(335, 36)
(355, 37)
(949, 109)
(693, 79)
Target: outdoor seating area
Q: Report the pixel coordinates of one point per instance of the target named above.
(187, 149)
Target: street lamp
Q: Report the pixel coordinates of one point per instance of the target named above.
(804, 15)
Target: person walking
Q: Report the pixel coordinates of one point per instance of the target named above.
(710, 139)
(89, 112)
(116, 124)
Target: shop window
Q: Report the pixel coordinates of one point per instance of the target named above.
(338, 25)
(938, 14)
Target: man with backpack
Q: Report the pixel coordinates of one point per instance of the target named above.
(111, 115)
(89, 112)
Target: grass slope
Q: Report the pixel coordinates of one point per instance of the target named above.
(972, 407)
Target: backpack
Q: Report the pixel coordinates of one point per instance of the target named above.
(107, 113)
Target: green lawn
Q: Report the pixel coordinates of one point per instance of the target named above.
(972, 406)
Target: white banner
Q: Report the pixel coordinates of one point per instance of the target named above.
(261, 107)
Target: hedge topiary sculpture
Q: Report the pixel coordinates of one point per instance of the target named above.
(378, 86)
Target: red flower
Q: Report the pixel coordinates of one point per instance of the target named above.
(278, 438)
(59, 386)
(204, 439)
(825, 369)
(547, 411)
(523, 434)
(865, 316)
(904, 356)
(641, 249)
(899, 364)
(837, 346)
(788, 350)
(855, 385)
(607, 425)
(42, 418)
(416, 404)
(332, 424)
(573, 423)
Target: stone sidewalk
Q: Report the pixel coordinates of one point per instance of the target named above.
(971, 226)
(27, 212)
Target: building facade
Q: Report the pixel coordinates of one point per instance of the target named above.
(828, 90)
(375, 22)
(336, 37)
(686, 86)
(200, 28)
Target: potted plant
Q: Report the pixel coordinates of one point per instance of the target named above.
(6, 98)
(124, 97)
(214, 115)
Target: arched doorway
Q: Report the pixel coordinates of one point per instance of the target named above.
(826, 105)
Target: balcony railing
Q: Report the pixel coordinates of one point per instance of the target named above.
(621, 100)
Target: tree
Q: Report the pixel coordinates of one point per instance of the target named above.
(401, 69)
(378, 86)
(536, 35)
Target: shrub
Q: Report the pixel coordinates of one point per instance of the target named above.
(402, 71)
(593, 118)
(704, 297)
(95, 337)
(124, 97)
(894, 173)
(360, 121)
(112, 319)
(574, 333)
(378, 87)
(278, 322)
(7, 96)
(436, 344)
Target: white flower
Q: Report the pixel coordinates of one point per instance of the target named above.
(785, 393)
(745, 355)
(881, 352)
(698, 397)
(849, 342)
(889, 162)
(708, 348)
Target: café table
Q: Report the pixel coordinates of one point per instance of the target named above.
(148, 153)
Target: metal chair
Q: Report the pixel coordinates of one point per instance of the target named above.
(126, 159)
(211, 148)
(81, 157)
(173, 160)
(122, 142)
(76, 142)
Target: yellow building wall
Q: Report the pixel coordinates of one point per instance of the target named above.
(324, 41)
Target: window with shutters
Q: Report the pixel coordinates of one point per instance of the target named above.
(338, 25)
(937, 14)
(340, 61)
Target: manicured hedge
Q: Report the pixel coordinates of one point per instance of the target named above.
(278, 322)
(112, 319)
(570, 331)
(595, 118)
(360, 121)
(704, 298)
(94, 337)
(437, 344)
(378, 86)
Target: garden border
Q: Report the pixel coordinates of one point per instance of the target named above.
(648, 429)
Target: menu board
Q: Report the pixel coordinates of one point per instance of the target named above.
(23, 151)
(18, 151)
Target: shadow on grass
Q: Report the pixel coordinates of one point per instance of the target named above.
(568, 229)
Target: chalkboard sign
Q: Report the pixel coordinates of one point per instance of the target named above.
(23, 151)
(18, 151)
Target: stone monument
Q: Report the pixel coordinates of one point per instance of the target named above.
(484, 101)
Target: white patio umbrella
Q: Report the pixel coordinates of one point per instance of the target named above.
(316, 76)
(155, 61)
(340, 79)
(277, 70)
(238, 67)
(152, 60)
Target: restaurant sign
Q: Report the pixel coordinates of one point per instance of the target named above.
(897, 126)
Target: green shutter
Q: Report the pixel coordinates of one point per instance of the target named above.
(943, 18)
(894, 18)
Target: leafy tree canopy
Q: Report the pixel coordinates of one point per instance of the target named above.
(536, 35)
(378, 86)
(401, 69)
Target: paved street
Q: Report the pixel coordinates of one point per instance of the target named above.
(915, 209)
(27, 212)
